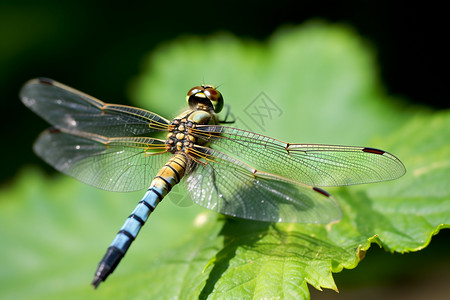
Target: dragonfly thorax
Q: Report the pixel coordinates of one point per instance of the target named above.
(179, 137)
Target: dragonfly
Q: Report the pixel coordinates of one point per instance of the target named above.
(235, 172)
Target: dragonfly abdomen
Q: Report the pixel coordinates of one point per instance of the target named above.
(168, 176)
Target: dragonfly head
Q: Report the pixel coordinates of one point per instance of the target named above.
(205, 97)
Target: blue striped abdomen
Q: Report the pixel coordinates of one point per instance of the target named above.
(169, 175)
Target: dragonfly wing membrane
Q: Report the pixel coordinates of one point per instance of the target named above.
(69, 109)
(228, 186)
(347, 165)
(312, 164)
(114, 164)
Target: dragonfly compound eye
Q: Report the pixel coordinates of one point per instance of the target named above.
(215, 97)
(205, 97)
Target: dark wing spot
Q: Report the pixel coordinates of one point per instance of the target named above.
(373, 150)
(325, 193)
(44, 80)
(54, 130)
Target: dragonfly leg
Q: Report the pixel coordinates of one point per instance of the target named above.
(227, 114)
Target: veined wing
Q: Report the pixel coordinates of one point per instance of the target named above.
(69, 109)
(114, 164)
(312, 164)
(231, 187)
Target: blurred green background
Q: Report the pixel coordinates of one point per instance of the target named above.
(100, 48)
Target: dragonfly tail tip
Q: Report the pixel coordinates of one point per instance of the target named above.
(107, 265)
(96, 282)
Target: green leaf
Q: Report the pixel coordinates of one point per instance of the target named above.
(311, 84)
(321, 83)
(418, 205)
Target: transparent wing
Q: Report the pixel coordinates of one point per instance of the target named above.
(312, 164)
(226, 185)
(69, 109)
(114, 164)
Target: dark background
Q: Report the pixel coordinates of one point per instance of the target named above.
(98, 47)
